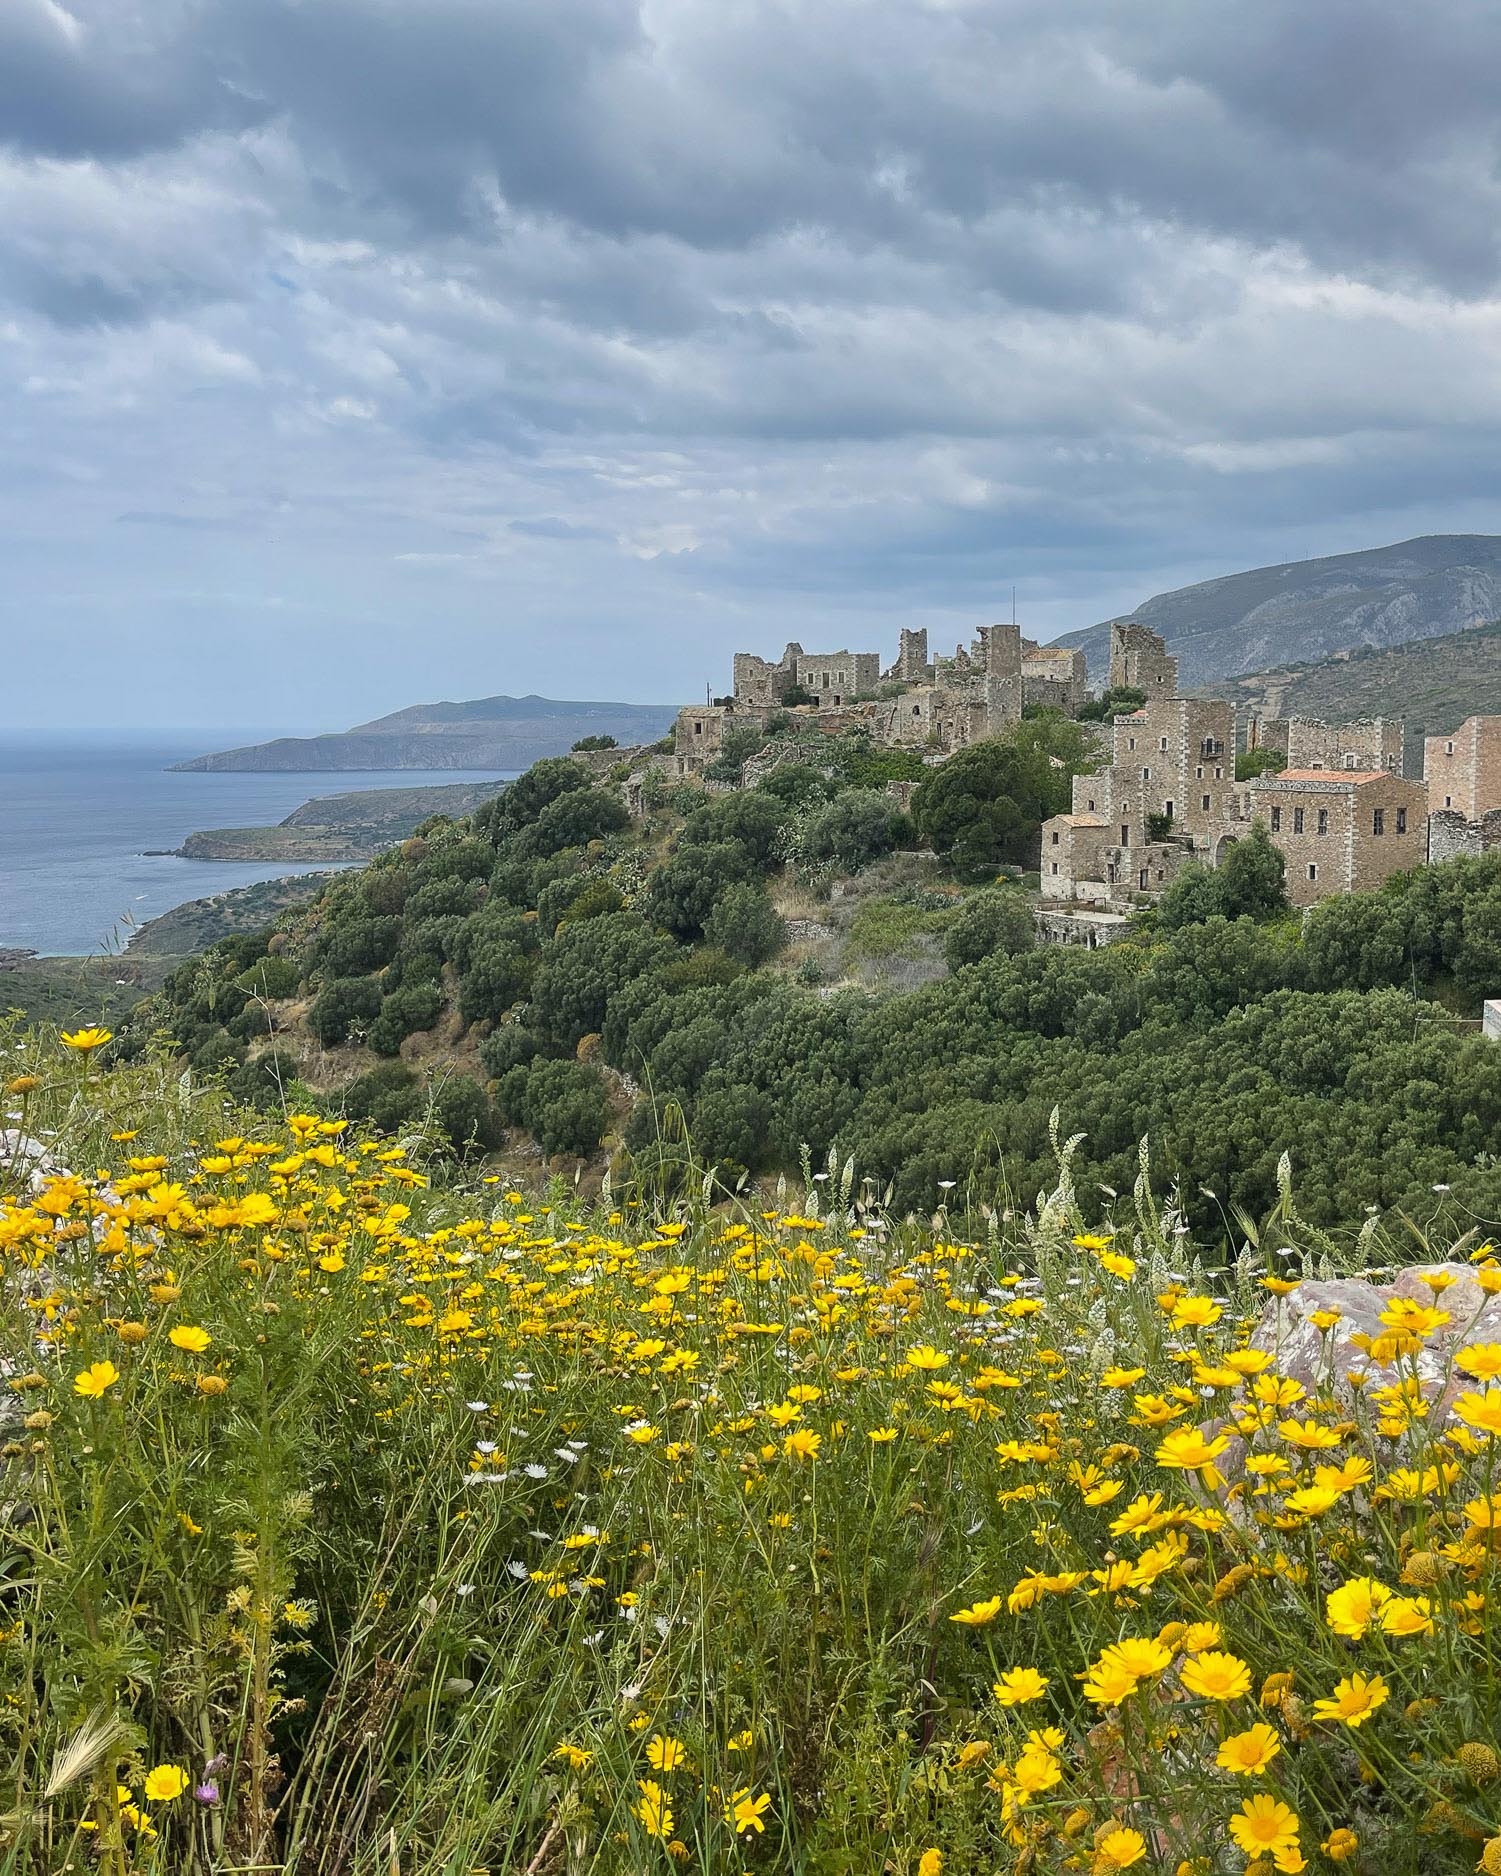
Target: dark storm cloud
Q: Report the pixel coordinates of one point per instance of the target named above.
(1361, 129)
(548, 330)
(107, 80)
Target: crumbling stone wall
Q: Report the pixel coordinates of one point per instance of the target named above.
(761, 684)
(1365, 744)
(911, 665)
(1266, 733)
(1054, 678)
(1451, 835)
(1139, 661)
(698, 733)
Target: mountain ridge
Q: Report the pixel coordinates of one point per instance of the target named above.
(1298, 611)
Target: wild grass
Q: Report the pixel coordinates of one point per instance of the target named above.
(362, 1521)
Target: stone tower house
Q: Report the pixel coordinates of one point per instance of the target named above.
(1139, 661)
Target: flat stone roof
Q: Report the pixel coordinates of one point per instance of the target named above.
(1353, 777)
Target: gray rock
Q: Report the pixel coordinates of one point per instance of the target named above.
(1324, 1361)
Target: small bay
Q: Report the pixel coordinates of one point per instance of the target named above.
(88, 820)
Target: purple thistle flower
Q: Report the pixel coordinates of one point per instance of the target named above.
(207, 1792)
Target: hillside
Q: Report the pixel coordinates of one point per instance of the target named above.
(1435, 683)
(1311, 609)
(551, 978)
(190, 928)
(484, 733)
(355, 826)
(74, 990)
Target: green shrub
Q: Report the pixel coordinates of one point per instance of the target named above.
(855, 828)
(1253, 762)
(996, 922)
(1250, 882)
(389, 1097)
(266, 1081)
(354, 943)
(462, 1110)
(561, 1101)
(271, 977)
(340, 1005)
(685, 889)
(402, 1014)
(745, 925)
(985, 806)
(573, 820)
(1114, 703)
(586, 965)
(509, 1046)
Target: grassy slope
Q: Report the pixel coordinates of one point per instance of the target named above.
(193, 927)
(70, 990)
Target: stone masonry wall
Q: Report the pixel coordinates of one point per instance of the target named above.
(840, 675)
(912, 655)
(1463, 769)
(1330, 827)
(1139, 661)
(1367, 743)
(1451, 836)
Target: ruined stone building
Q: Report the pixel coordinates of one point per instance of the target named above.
(1463, 773)
(1054, 679)
(698, 735)
(1139, 660)
(1366, 744)
(830, 677)
(937, 705)
(1341, 811)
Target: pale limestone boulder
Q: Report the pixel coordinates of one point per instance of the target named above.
(1324, 1362)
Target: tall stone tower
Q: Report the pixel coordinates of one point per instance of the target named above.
(912, 655)
(1000, 659)
(1139, 661)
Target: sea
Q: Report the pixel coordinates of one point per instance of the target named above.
(88, 819)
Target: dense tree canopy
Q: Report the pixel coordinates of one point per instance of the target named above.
(1250, 882)
(984, 807)
(577, 952)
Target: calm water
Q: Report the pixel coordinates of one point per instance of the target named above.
(78, 809)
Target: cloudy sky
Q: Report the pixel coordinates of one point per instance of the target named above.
(356, 352)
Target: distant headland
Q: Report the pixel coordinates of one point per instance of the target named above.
(486, 733)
